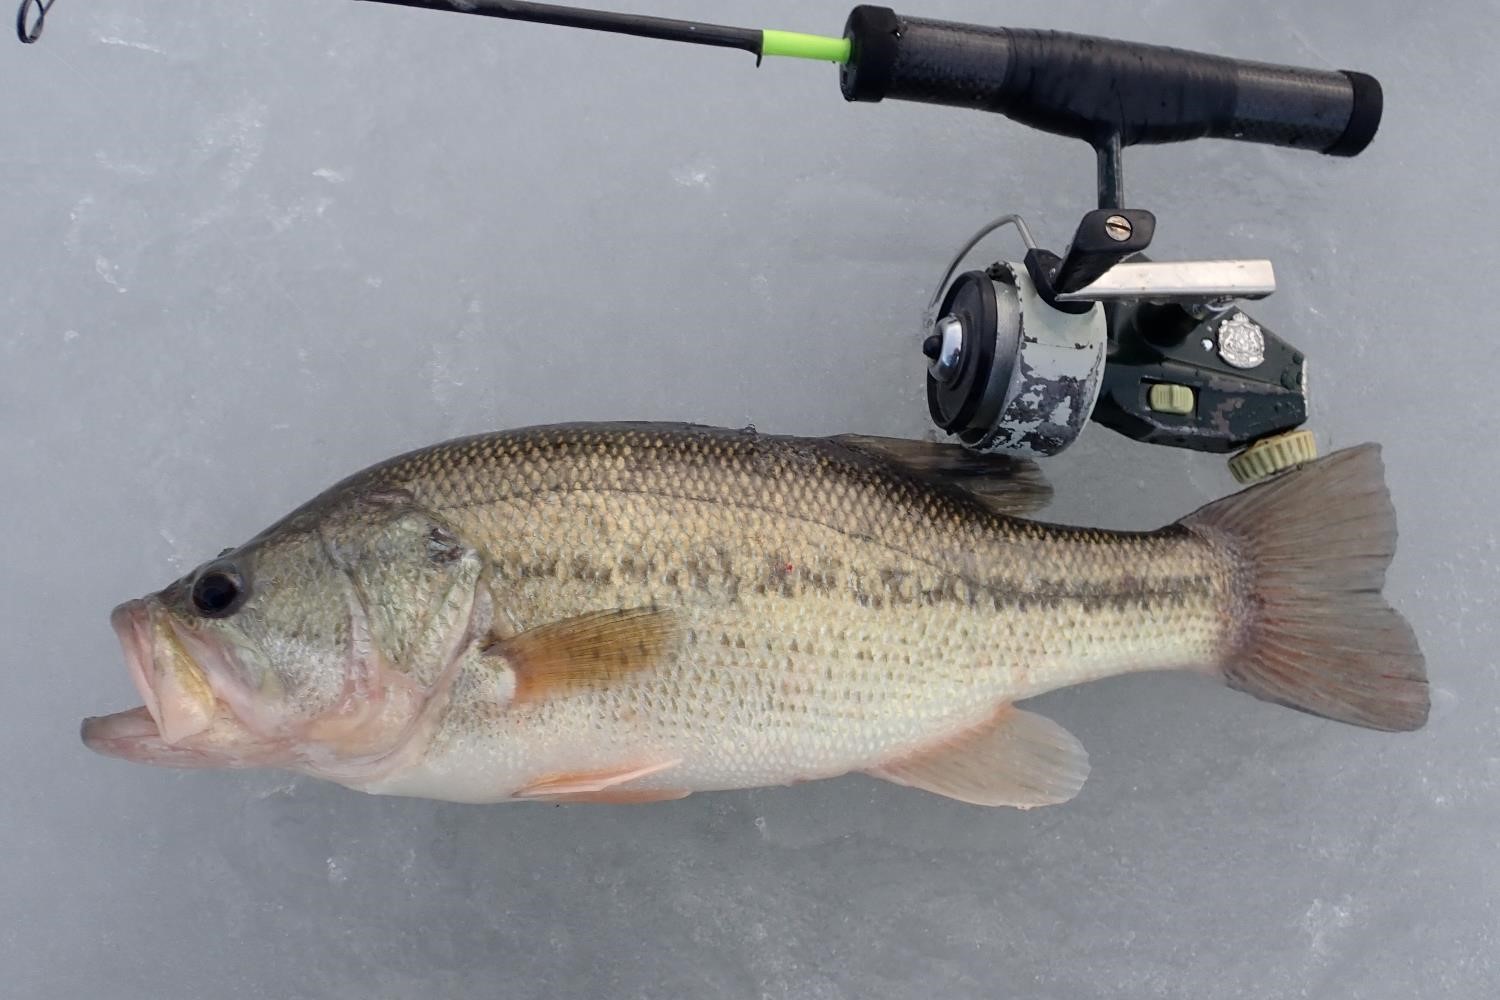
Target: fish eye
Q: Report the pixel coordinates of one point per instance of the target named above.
(218, 590)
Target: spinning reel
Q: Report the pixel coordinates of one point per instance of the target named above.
(1023, 354)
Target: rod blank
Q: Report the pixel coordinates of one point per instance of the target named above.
(663, 28)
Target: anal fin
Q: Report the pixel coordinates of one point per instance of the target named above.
(1017, 759)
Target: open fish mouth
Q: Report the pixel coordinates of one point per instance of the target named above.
(179, 704)
(132, 624)
(173, 685)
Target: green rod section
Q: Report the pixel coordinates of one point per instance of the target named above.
(793, 45)
(789, 44)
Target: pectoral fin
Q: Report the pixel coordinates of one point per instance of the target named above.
(1018, 759)
(600, 786)
(589, 651)
(618, 797)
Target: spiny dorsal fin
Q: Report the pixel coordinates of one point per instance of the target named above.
(1018, 759)
(587, 651)
(1006, 484)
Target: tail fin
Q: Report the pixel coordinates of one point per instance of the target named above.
(1316, 634)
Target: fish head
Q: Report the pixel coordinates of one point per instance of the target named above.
(323, 646)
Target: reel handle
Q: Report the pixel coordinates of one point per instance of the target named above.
(1101, 89)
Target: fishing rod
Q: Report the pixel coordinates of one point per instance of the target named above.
(1021, 355)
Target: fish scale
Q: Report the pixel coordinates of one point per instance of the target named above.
(836, 612)
(626, 613)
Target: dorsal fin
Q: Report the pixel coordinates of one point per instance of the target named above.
(1007, 485)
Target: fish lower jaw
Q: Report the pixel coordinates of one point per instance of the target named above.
(99, 732)
(133, 735)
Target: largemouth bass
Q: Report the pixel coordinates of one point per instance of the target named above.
(633, 613)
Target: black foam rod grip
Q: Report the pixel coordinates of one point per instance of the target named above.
(1095, 88)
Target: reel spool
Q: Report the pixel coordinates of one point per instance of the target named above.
(1008, 372)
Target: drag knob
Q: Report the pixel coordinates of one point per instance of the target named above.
(1272, 456)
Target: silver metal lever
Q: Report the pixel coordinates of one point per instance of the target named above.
(1182, 282)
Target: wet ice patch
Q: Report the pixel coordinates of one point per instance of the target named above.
(695, 175)
(1323, 921)
(241, 135)
(110, 272)
(130, 43)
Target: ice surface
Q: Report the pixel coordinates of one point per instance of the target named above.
(251, 247)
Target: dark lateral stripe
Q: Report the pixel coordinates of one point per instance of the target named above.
(713, 573)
